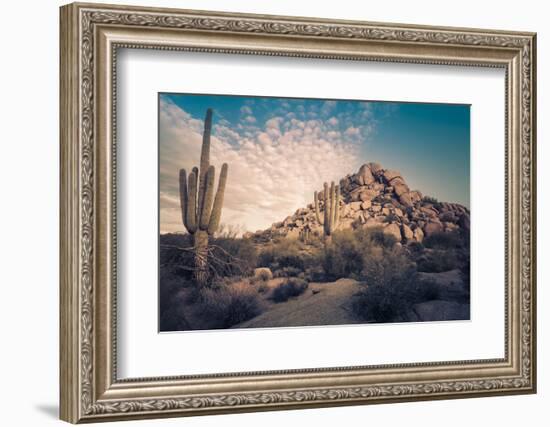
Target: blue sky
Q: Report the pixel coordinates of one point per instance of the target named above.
(280, 150)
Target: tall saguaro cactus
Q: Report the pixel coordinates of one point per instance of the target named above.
(200, 210)
(331, 217)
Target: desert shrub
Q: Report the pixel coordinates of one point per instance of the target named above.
(391, 287)
(443, 240)
(282, 254)
(424, 290)
(229, 305)
(432, 200)
(288, 272)
(262, 287)
(377, 236)
(294, 261)
(438, 261)
(415, 248)
(236, 256)
(344, 256)
(289, 288)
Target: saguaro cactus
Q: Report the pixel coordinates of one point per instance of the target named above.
(331, 217)
(200, 210)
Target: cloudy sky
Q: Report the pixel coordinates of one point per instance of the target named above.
(280, 150)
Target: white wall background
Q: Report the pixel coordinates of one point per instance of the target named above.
(29, 170)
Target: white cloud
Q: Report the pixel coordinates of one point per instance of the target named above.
(245, 109)
(273, 170)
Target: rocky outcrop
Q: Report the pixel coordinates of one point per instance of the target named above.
(376, 197)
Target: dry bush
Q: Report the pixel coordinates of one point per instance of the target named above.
(289, 288)
(229, 305)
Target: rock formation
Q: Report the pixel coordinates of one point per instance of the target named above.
(375, 197)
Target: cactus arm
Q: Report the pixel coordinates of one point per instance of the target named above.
(183, 196)
(205, 150)
(192, 202)
(205, 160)
(317, 210)
(337, 207)
(216, 214)
(208, 198)
(326, 213)
(332, 207)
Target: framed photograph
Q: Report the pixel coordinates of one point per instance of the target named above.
(266, 212)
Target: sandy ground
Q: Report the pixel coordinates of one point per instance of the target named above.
(321, 304)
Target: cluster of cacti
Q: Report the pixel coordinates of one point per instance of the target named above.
(331, 216)
(200, 210)
(304, 234)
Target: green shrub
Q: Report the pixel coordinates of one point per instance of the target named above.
(290, 288)
(229, 305)
(443, 240)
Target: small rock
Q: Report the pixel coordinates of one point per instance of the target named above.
(355, 206)
(366, 205)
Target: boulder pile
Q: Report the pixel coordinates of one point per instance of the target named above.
(376, 197)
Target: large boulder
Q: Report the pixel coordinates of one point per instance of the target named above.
(432, 227)
(464, 222)
(418, 234)
(406, 200)
(400, 188)
(393, 230)
(363, 194)
(429, 211)
(375, 167)
(407, 232)
(364, 176)
(367, 195)
(390, 175)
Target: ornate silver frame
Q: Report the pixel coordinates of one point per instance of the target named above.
(90, 36)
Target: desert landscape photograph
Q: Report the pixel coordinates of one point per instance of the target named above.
(297, 212)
